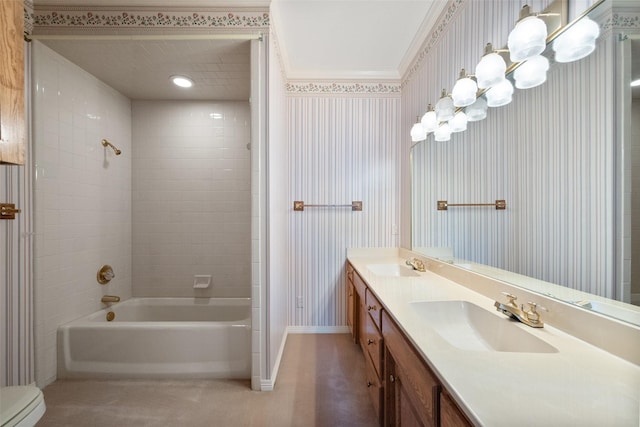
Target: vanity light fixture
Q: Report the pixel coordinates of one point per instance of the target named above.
(429, 120)
(491, 68)
(464, 91)
(459, 122)
(444, 107)
(577, 42)
(182, 81)
(635, 83)
(443, 133)
(532, 72)
(528, 38)
(500, 94)
(417, 131)
(477, 111)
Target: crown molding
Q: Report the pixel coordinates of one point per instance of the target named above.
(104, 20)
(446, 17)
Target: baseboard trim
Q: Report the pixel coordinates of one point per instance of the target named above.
(269, 384)
(318, 330)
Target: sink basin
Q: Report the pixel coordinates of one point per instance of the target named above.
(392, 270)
(467, 326)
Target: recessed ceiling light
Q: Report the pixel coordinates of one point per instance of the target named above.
(635, 83)
(182, 81)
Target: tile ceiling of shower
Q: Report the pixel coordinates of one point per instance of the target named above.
(318, 39)
(141, 69)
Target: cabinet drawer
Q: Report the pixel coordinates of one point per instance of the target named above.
(375, 390)
(373, 306)
(421, 386)
(359, 286)
(372, 344)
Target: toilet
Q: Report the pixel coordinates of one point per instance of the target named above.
(21, 406)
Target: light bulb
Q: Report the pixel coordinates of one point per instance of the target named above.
(429, 121)
(491, 68)
(527, 39)
(477, 111)
(577, 42)
(500, 94)
(444, 107)
(532, 73)
(417, 131)
(182, 81)
(464, 92)
(443, 133)
(459, 122)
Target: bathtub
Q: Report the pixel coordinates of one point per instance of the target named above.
(160, 338)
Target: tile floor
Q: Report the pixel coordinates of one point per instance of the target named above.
(321, 383)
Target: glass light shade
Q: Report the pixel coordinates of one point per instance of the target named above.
(500, 94)
(429, 121)
(443, 133)
(527, 39)
(477, 111)
(532, 73)
(418, 133)
(444, 108)
(577, 42)
(464, 92)
(459, 122)
(490, 70)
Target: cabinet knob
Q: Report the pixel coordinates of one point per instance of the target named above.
(370, 341)
(372, 307)
(392, 378)
(369, 384)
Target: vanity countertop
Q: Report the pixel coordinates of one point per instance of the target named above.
(580, 384)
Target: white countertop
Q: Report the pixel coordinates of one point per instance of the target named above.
(579, 385)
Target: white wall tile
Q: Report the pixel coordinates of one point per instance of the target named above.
(83, 197)
(191, 192)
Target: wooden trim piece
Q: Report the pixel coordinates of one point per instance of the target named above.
(12, 120)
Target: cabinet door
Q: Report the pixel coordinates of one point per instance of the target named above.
(399, 408)
(12, 125)
(351, 309)
(415, 388)
(450, 414)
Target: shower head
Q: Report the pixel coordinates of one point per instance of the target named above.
(106, 143)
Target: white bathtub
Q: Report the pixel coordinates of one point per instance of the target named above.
(160, 338)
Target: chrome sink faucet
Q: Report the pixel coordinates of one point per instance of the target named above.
(416, 264)
(529, 317)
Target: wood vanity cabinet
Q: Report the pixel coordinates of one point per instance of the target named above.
(12, 116)
(366, 312)
(404, 390)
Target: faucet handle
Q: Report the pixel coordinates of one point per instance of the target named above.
(512, 299)
(532, 315)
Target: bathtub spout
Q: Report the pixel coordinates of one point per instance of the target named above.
(107, 299)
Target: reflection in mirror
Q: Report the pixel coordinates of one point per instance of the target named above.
(554, 155)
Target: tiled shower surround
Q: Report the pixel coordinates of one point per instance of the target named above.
(174, 204)
(82, 197)
(191, 198)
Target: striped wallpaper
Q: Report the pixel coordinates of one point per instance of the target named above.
(16, 278)
(551, 160)
(341, 149)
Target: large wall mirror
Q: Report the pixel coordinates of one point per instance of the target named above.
(565, 157)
